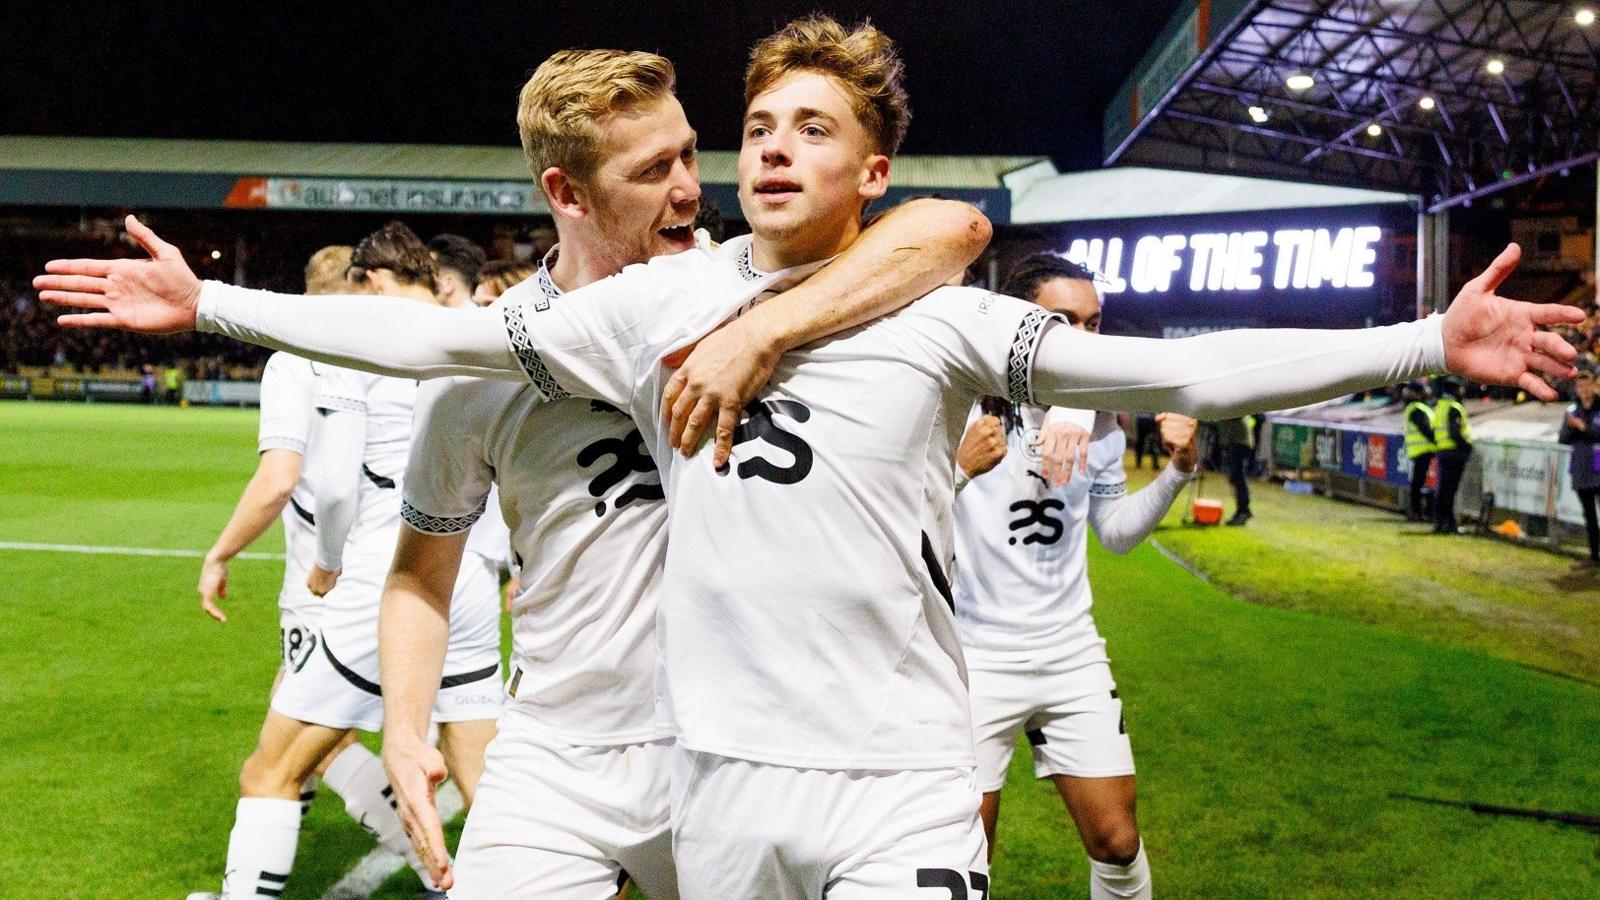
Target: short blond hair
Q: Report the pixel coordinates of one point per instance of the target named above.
(325, 270)
(862, 60)
(501, 275)
(571, 94)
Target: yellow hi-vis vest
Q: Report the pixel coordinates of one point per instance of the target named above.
(1416, 443)
(1441, 423)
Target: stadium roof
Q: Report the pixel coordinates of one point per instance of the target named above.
(1039, 195)
(386, 177)
(1449, 99)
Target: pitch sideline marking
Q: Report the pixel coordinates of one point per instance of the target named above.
(376, 867)
(1179, 561)
(127, 551)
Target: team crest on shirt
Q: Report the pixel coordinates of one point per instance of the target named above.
(1030, 444)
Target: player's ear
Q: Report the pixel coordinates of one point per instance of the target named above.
(874, 177)
(564, 195)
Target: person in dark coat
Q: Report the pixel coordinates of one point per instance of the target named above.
(1581, 430)
(1452, 439)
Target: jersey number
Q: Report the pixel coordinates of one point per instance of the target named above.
(1038, 513)
(628, 457)
(759, 424)
(953, 881)
(298, 643)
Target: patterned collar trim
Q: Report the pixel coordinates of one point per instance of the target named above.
(547, 287)
(747, 270)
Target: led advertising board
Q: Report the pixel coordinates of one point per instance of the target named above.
(1339, 267)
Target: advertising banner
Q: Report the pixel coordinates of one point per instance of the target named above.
(1524, 478)
(388, 195)
(223, 393)
(1175, 276)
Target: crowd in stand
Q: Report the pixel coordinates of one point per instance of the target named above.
(30, 338)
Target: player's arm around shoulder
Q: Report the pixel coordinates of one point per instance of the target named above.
(909, 251)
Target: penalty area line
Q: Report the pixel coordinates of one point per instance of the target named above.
(125, 551)
(375, 868)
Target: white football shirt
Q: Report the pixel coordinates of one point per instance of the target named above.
(1022, 578)
(584, 503)
(287, 385)
(386, 404)
(806, 615)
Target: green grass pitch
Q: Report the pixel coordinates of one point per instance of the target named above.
(1269, 734)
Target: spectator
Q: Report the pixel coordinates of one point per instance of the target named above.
(1581, 430)
(1238, 440)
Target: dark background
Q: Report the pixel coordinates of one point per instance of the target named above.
(984, 77)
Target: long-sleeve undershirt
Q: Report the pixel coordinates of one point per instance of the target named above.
(335, 475)
(1210, 376)
(1121, 523)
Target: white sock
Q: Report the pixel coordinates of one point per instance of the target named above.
(1112, 882)
(261, 847)
(308, 793)
(357, 776)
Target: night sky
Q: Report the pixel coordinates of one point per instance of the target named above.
(984, 78)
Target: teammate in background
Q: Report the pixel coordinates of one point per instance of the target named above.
(1035, 661)
(498, 276)
(1581, 429)
(458, 262)
(1237, 440)
(279, 488)
(1452, 441)
(825, 746)
(574, 792)
(1419, 445)
(360, 435)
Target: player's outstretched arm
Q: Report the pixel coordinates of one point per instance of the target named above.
(160, 295)
(263, 500)
(1484, 337)
(413, 636)
(911, 250)
(1123, 522)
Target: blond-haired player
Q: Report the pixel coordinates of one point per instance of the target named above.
(812, 669)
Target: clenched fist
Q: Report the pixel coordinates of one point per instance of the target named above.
(1178, 437)
(983, 446)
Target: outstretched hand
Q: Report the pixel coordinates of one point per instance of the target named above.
(415, 770)
(158, 295)
(1496, 340)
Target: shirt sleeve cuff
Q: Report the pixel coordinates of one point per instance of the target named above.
(1433, 344)
(205, 314)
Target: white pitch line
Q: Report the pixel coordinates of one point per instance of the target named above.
(376, 867)
(126, 551)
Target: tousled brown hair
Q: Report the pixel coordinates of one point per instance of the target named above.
(863, 60)
(398, 249)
